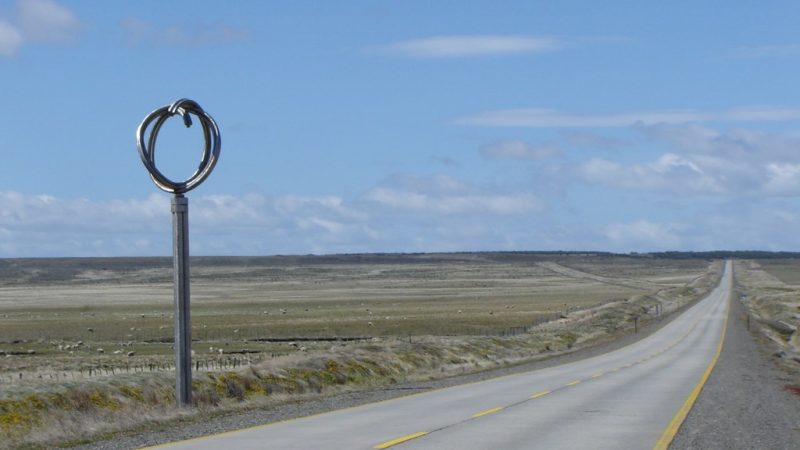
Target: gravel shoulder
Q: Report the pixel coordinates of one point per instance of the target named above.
(745, 403)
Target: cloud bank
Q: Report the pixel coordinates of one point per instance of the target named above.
(405, 214)
(704, 161)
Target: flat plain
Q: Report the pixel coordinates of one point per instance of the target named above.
(272, 326)
(125, 305)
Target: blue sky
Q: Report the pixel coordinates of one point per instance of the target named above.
(403, 126)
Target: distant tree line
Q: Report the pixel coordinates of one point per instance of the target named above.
(720, 254)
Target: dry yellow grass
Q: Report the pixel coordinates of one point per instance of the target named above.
(772, 294)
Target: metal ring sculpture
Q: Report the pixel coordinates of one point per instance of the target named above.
(183, 107)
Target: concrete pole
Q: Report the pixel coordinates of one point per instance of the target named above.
(183, 326)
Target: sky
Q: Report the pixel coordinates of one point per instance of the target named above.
(403, 126)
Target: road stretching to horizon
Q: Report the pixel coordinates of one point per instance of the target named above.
(632, 398)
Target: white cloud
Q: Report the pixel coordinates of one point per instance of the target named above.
(444, 195)
(407, 213)
(141, 33)
(37, 21)
(519, 150)
(454, 204)
(670, 172)
(702, 161)
(404, 216)
(465, 219)
(41, 225)
(10, 39)
(46, 21)
(782, 178)
(548, 118)
(740, 144)
(470, 46)
(39, 213)
(642, 235)
(759, 226)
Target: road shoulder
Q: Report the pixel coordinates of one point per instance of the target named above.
(745, 403)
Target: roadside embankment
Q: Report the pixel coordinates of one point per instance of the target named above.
(773, 306)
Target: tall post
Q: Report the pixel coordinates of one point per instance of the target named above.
(183, 323)
(180, 221)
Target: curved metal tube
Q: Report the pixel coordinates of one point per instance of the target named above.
(185, 108)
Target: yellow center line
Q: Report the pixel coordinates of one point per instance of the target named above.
(627, 365)
(488, 411)
(400, 440)
(539, 394)
(573, 383)
(598, 375)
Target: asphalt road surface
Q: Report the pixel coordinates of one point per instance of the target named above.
(632, 398)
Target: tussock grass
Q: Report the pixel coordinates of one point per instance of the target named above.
(772, 295)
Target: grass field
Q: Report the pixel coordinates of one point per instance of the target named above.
(786, 270)
(771, 291)
(89, 338)
(125, 305)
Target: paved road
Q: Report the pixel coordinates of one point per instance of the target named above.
(625, 399)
